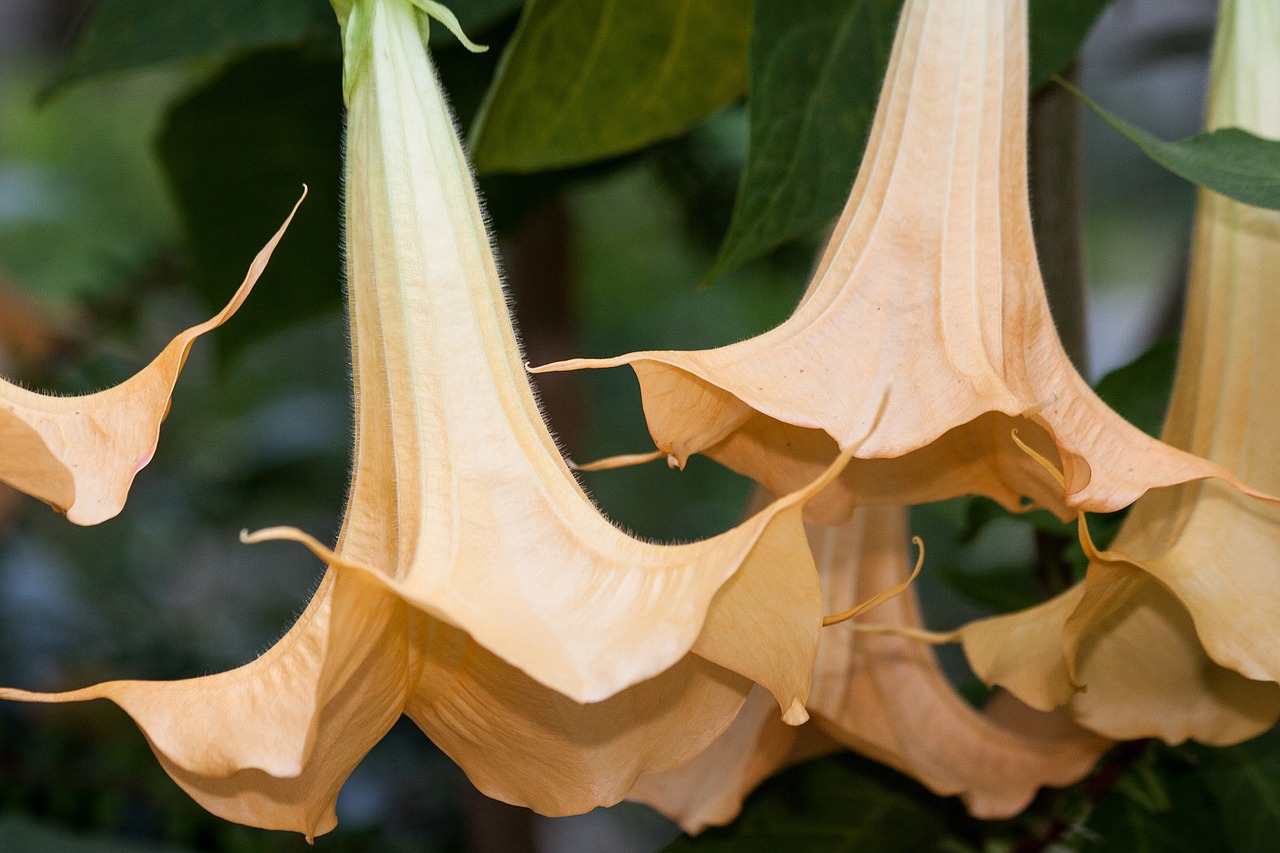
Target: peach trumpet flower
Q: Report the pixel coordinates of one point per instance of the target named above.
(474, 586)
(885, 697)
(930, 284)
(1172, 634)
(80, 454)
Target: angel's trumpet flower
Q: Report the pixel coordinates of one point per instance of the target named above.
(885, 697)
(474, 586)
(80, 454)
(1173, 632)
(929, 285)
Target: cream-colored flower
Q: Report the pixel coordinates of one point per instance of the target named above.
(885, 697)
(80, 454)
(474, 586)
(929, 286)
(1173, 632)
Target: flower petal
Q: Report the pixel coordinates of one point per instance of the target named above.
(1144, 672)
(930, 288)
(80, 454)
(886, 697)
(477, 520)
(1173, 622)
(526, 744)
(709, 790)
(269, 744)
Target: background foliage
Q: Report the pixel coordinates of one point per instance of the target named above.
(628, 153)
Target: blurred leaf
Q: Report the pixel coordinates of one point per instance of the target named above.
(832, 804)
(816, 68)
(124, 34)
(1057, 28)
(474, 16)
(1229, 160)
(588, 79)
(1244, 782)
(83, 206)
(238, 152)
(18, 834)
(1159, 806)
(1004, 589)
(1140, 390)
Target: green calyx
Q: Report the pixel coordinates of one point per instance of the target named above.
(355, 18)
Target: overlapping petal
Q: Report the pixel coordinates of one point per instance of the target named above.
(1172, 634)
(483, 526)
(475, 587)
(883, 696)
(929, 290)
(80, 454)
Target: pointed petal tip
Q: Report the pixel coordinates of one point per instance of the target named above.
(796, 714)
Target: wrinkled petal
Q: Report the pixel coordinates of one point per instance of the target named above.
(929, 291)
(526, 744)
(1023, 652)
(886, 697)
(1138, 668)
(269, 744)
(1173, 633)
(80, 454)
(710, 789)
(479, 522)
(1144, 673)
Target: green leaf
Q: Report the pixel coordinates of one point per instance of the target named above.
(1057, 28)
(1162, 806)
(1229, 160)
(833, 805)
(1140, 391)
(126, 34)
(583, 80)
(816, 69)
(1244, 782)
(1005, 589)
(70, 228)
(238, 153)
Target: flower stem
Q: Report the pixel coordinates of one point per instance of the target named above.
(1056, 175)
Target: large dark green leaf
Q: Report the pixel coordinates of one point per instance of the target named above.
(833, 805)
(1244, 781)
(238, 153)
(119, 35)
(1057, 29)
(587, 79)
(816, 68)
(1229, 161)
(124, 34)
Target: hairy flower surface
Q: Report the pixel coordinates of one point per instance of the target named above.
(474, 586)
(929, 292)
(885, 697)
(80, 454)
(1173, 632)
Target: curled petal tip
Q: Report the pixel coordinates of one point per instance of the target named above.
(624, 460)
